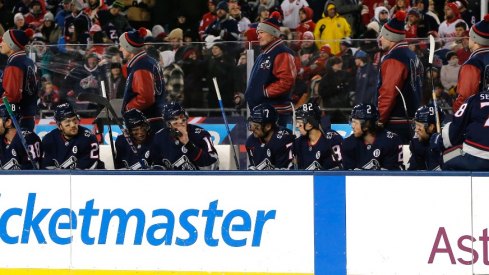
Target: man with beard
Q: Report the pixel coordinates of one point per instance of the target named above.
(70, 146)
(13, 155)
(314, 150)
(400, 70)
(422, 156)
(447, 27)
(269, 147)
(370, 147)
(141, 137)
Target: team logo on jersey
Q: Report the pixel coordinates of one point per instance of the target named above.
(13, 164)
(314, 166)
(369, 146)
(14, 153)
(139, 146)
(329, 135)
(183, 163)
(318, 154)
(75, 149)
(184, 149)
(89, 82)
(263, 145)
(417, 72)
(177, 142)
(198, 130)
(269, 153)
(376, 153)
(146, 155)
(66, 143)
(390, 134)
(158, 80)
(266, 64)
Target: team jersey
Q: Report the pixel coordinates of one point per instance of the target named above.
(125, 158)
(14, 157)
(81, 152)
(319, 156)
(469, 127)
(384, 153)
(169, 153)
(423, 157)
(277, 153)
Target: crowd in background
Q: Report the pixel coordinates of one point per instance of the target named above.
(75, 46)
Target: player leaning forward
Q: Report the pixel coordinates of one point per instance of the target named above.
(13, 155)
(182, 146)
(70, 146)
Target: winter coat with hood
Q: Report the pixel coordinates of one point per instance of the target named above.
(306, 25)
(331, 30)
(92, 9)
(350, 10)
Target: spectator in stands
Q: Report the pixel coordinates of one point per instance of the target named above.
(174, 80)
(334, 89)
(77, 13)
(401, 5)
(427, 87)
(460, 29)
(306, 24)
(176, 38)
(412, 24)
(443, 99)
(331, 28)
(94, 6)
(447, 27)
(263, 14)
(35, 16)
(464, 52)
(119, 21)
(380, 18)
(309, 51)
(319, 65)
(224, 27)
(61, 15)
(428, 21)
(138, 13)
(80, 34)
(290, 11)
(208, 18)
(346, 55)
(48, 97)
(110, 31)
(365, 80)
(449, 73)
(351, 11)
(221, 66)
(369, 7)
(22, 7)
(19, 23)
(467, 15)
(50, 30)
(6, 17)
(194, 70)
(117, 81)
(183, 23)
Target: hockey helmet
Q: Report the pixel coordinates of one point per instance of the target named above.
(15, 110)
(309, 113)
(263, 114)
(172, 111)
(365, 112)
(134, 118)
(63, 112)
(426, 115)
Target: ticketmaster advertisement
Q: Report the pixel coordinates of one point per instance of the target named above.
(171, 223)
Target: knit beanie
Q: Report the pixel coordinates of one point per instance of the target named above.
(394, 30)
(17, 39)
(271, 25)
(479, 33)
(223, 6)
(326, 48)
(453, 7)
(133, 41)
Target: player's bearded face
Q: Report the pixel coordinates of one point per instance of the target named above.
(421, 131)
(69, 127)
(356, 126)
(257, 129)
(2, 127)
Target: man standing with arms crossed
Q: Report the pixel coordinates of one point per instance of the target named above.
(401, 69)
(474, 77)
(273, 75)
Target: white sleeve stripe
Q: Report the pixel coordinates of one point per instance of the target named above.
(445, 135)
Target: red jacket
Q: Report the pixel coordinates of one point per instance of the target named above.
(207, 19)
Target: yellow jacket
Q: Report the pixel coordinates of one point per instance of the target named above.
(334, 30)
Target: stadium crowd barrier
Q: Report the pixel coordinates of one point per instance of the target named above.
(247, 222)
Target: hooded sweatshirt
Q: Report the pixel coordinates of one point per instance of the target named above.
(306, 25)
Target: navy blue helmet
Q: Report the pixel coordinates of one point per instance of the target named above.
(308, 112)
(134, 118)
(5, 115)
(263, 114)
(63, 112)
(172, 111)
(365, 112)
(426, 114)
